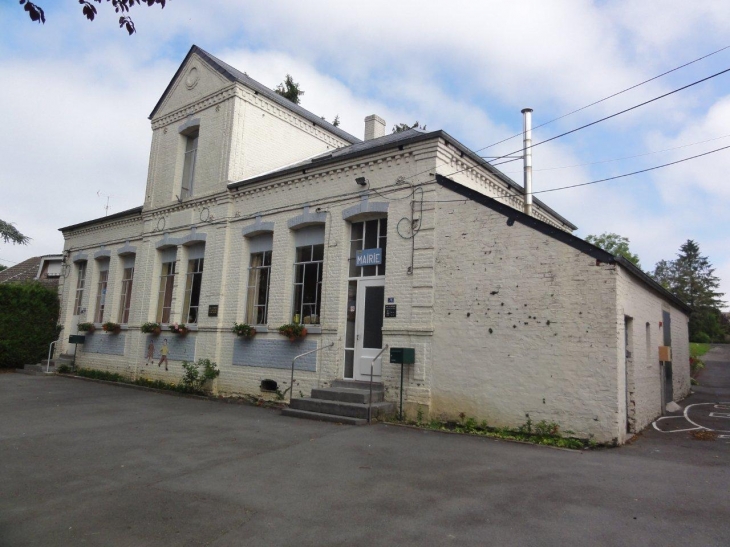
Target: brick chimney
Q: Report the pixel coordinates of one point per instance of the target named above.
(374, 127)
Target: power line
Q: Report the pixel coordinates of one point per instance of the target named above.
(623, 158)
(599, 180)
(592, 104)
(8, 261)
(621, 112)
(607, 98)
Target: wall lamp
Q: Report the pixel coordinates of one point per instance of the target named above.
(362, 181)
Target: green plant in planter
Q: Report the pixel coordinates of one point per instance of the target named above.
(243, 329)
(151, 328)
(293, 331)
(86, 327)
(180, 329)
(110, 326)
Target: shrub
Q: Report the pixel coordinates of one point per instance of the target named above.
(702, 338)
(194, 378)
(63, 369)
(28, 322)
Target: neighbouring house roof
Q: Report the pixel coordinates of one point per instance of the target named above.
(235, 75)
(128, 213)
(28, 271)
(563, 236)
(403, 138)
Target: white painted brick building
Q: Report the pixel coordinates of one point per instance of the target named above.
(508, 314)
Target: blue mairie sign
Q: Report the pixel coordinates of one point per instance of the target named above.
(369, 257)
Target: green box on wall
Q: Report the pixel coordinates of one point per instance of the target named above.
(403, 356)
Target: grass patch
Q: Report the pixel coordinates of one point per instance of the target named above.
(544, 433)
(697, 349)
(144, 382)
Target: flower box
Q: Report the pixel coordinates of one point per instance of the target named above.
(293, 331)
(111, 327)
(244, 330)
(179, 329)
(151, 328)
(87, 327)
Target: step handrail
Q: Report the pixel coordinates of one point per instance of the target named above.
(370, 399)
(48, 362)
(291, 385)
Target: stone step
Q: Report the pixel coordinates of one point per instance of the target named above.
(295, 413)
(347, 395)
(355, 384)
(34, 370)
(339, 408)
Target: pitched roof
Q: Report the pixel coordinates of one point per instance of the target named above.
(403, 138)
(563, 236)
(26, 271)
(235, 75)
(128, 212)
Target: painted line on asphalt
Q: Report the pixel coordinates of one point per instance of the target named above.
(685, 416)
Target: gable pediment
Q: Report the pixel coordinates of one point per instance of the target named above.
(194, 80)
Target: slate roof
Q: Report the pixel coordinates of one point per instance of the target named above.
(235, 75)
(386, 142)
(128, 212)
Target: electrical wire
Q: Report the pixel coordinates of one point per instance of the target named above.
(623, 158)
(592, 104)
(624, 111)
(595, 181)
(8, 261)
(606, 98)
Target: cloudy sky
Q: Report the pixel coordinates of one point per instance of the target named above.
(77, 94)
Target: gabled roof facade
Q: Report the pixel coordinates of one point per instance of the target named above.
(235, 75)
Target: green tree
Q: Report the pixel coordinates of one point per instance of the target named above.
(690, 277)
(8, 232)
(3, 267)
(615, 244)
(289, 89)
(399, 128)
(88, 9)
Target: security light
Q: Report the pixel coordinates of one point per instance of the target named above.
(362, 181)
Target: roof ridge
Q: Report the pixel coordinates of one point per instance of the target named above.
(235, 75)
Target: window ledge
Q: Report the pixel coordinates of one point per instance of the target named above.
(124, 327)
(313, 329)
(261, 328)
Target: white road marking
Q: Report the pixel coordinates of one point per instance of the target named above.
(685, 416)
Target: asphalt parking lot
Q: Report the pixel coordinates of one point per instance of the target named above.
(84, 463)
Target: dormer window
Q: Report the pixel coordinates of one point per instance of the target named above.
(191, 152)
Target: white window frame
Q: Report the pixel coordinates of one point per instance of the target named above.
(189, 160)
(80, 283)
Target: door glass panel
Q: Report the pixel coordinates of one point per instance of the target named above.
(373, 323)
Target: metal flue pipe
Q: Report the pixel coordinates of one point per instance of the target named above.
(527, 158)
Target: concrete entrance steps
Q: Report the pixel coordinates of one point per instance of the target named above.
(345, 402)
(40, 368)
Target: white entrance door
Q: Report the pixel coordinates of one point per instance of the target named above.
(369, 328)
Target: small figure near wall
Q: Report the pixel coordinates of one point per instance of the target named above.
(150, 354)
(163, 354)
